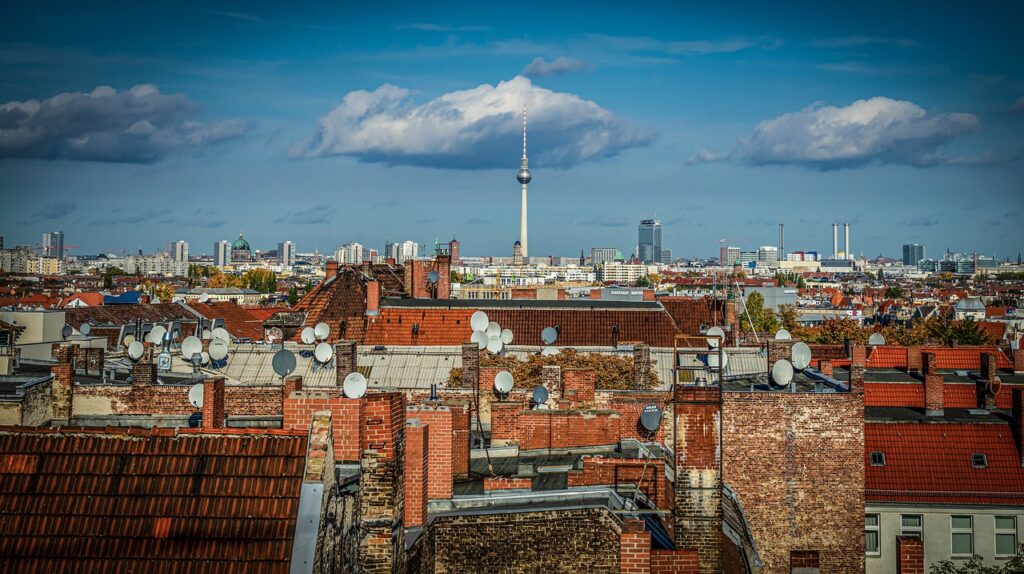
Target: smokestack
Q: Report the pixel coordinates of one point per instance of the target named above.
(835, 241)
(846, 242)
(782, 241)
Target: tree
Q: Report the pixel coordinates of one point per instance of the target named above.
(894, 292)
(787, 316)
(764, 320)
(293, 296)
(836, 331)
(108, 276)
(262, 280)
(977, 566)
(164, 292)
(642, 281)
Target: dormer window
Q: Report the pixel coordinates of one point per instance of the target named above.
(877, 458)
(979, 460)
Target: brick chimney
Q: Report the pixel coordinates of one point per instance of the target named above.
(1018, 359)
(332, 270)
(909, 555)
(443, 266)
(858, 366)
(344, 360)
(641, 365)
(825, 367)
(470, 365)
(914, 359)
(698, 484)
(634, 548)
(381, 501)
(933, 387)
(988, 365)
(551, 378)
(213, 403)
(62, 387)
(291, 383)
(417, 472)
(778, 350)
(1017, 420)
(144, 372)
(372, 297)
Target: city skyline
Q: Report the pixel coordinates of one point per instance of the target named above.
(628, 117)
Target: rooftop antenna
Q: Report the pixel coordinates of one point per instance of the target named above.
(650, 417)
(322, 331)
(549, 335)
(783, 335)
(85, 329)
(323, 353)
(782, 372)
(479, 321)
(801, 355)
(539, 397)
(713, 335)
(876, 339)
(195, 396)
(66, 331)
(308, 336)
(284, 363)
(135, 350)
(354, 385)
(218, 351)
(503, 383)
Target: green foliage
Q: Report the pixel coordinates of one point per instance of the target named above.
(108, 276)
(457, 277)
(763, 319)
(894, 292)
(642, 281)
(976, 565)
(293, 296)
(966, 332)
(261, 280)
(835, 332)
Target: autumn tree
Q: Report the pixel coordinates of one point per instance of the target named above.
(836, 332)
(755, 313)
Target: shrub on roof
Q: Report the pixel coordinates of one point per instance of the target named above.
(610, 371)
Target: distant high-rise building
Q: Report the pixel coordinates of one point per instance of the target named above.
(53, 244)
(453, 250)
(912, 253)
(286, 253)
(517, 253)
(350, 254)
(222, 253)
(666, 257)
(768, 256)
(649, 250)
(727, 256)
(402, 252)
(179, 251)
(599, 255)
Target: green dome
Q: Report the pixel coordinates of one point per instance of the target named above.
(240, 244)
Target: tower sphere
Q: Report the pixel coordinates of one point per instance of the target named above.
(524, 176)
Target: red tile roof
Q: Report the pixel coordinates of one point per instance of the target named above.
(91, 299)
(95, 500)
(341, 301)
(690, 314)
(931, 463)
(947, 358)
(127, 314)
(238, 320)
(954, 395)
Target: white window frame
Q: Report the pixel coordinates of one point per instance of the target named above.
(1004, 532)
(912, 530)
(953, 531)
(877, 529)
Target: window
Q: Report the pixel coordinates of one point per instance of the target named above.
(979, 460)
(872, 534)
(1006, 536)
(962, 529)
(912, 525)
(877, 458)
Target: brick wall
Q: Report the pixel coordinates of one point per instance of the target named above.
(578, 386)
(542, 429)
(381, 483)
(62, 391)
(698, 484)
(346, 415)
(631, 406)
(803, 559)
(506, 483)
(443, 451)
(648, 473)
(641, 366)
(909, 555)
(36, 405)
(796, 460)
(344, 360)
(674, 562)
(417, 472)
(634, 548)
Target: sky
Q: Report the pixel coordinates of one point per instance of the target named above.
(132, 125)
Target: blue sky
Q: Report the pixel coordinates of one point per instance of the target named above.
(132, 125)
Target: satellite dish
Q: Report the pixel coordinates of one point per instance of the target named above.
(128, 340)
(85, 329)
(783, 335)
(135, 350)
(713, 360)
(190, 346)
(493, 329)
(354, 385)
(876, 339)
(715, 332)
(323, 353)
(218, 349)
(220, 333)
(206, 357)
(540, 395)
(503, 382)
(782, 372)
(322, 330)
(195, 396)
(274, 334)
(156, 336)
(66, 331)
(433, 277)
(494, 345)
(506, 336)
(801, 355)
(549, 351)
(479, 321)
(204, 297)
(650, 417)
(207, 335)
(308, 336)
(284, 363)
(480, 338)
(549, 335)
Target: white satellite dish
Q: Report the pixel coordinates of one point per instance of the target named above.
(207, 335)
(218, 349)
(480, 338)
(713, 360)
(206, 357)
(354, 385)
(549, 335)
(190, 346)
(479, 321)
(782, 372)
(156, 336)
(128, 340)
(308, 336)
(195, 396)
(493, 329)
(323, 352)
(85, 329)
(549, 351)
(221, 334)
(322, 330)
(494, 345)
(204, 297)
(783, 335)
(506, 336)
(876, 339)
(801, 355)
(135, 350)
(503, 382)
(715, 332)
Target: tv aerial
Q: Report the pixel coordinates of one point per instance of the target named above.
(549, 335)
(308, 336)
(218, 351)
(712, 333)
(433, 277)
(494, 344)
(783, 335)
(650, 417)
(284, 363)
(503, 383)
(782, 372)
(801, 355)
(195, 396)
(354, 385)
(493, 329)
(322, 331)
(207, 334)
(128, 340)
(549, 351)
(876, 339)
(479, 321)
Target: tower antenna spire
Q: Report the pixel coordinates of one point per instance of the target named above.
(524, 131)
(523, 177)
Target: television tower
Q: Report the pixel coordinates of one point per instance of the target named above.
(524, 176)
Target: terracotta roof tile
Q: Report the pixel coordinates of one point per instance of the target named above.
(238, 320)
(947, 358)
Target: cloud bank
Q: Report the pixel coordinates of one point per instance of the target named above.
(563, 65)
(878, 130)
(138, 125)
(471, 129)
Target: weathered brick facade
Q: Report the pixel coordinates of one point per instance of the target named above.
(634, 548)
(909, 555)
(381, 484)
(511, 423)
(417, 472)
(698, 484)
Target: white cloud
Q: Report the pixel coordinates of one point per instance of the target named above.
(470, 129)
(138, 125)
(877, 130)
(563, 65)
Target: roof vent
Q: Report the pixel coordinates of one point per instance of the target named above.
(979, 460)
(877, 458)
